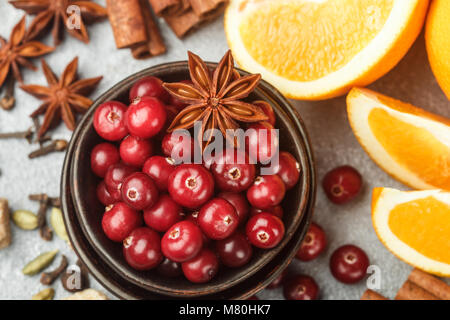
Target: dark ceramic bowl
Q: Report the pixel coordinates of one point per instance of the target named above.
(83, 212)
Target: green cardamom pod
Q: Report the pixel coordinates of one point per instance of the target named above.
(25, 219)
(46, 294)
(57, 222)
(39, 263)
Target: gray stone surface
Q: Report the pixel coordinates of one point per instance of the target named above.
(326, 121)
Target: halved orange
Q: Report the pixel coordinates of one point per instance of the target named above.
(415, 226)
(318, 49)
(409, 143)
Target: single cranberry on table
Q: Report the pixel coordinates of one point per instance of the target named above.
(149, 87)
(239, 202)
(142, 249)
(349, 264)
(265, 230)
(275, 210)
(102, 157)
(262, 142)
(191, 185)
(267, 109)
(169, 269)
(109, 120)
(182, 242)
(115, 175)
(234, 251)
(301, 287)
(218, 219)
(164, 214)
(202, 268)
(119, 221)
(313, 244)
(145, 117)
(278, 281)
(139, 191)
(266, 191)
(105, 197)
(134, 151)
(342, 184)
(233, 171)
(178, 145)
(288, 169)
(159, 169)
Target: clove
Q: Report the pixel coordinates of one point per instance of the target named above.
(44, 231)
(75, 279)
(18, 135)
(47, 278)
(54, 201)
(7, 102)
(37, 126)
(55, 145)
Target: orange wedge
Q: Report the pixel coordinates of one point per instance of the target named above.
(318, 49)
(407, 142)
(415, 226)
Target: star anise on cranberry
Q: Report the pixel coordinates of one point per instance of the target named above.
(62, 97)
(16, 52)
(215, 99)
(72, 15)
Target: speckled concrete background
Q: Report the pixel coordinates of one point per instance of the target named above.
(411, 81)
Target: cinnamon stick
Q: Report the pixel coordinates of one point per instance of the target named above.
(204, 8)
(127, 22)
(182, 24)
(372, 295)
(411, 291)
(168, 7)
(430, 283)
(154, 46)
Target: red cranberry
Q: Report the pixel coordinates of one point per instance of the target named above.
(288, 169)
(313, 244)
(262, 141)
(146, 117)
(234, 251)
(159, 169)
(218, 219)
(267, 109)
(239, 202)
(178, 145)
(119, 221)
(164, 214)
(278, 281)
(134, 151)
(139, 191)
(193, 217)
(342, 184)
(169, 269)
(182, 242)
(142, 249)
(115, 175)
(301, 287)
(109, 120)
(105, 197)
(266, 191)
(149, 87)
(349, 264)
(191, 185)
(232, 171)
(202, 268)
(102, 156)
(276, 211)
(265, 230)
(171, 113)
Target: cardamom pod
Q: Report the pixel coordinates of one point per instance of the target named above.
(39, 263)
(57, 222)
(46, 294)
(25, 219)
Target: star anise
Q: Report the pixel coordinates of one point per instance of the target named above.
(215, 99)
(17, 51)
(71, 14)
(62, 96)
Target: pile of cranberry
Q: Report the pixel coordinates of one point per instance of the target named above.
(181, 218)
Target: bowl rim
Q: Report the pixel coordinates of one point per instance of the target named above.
(302, 146)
